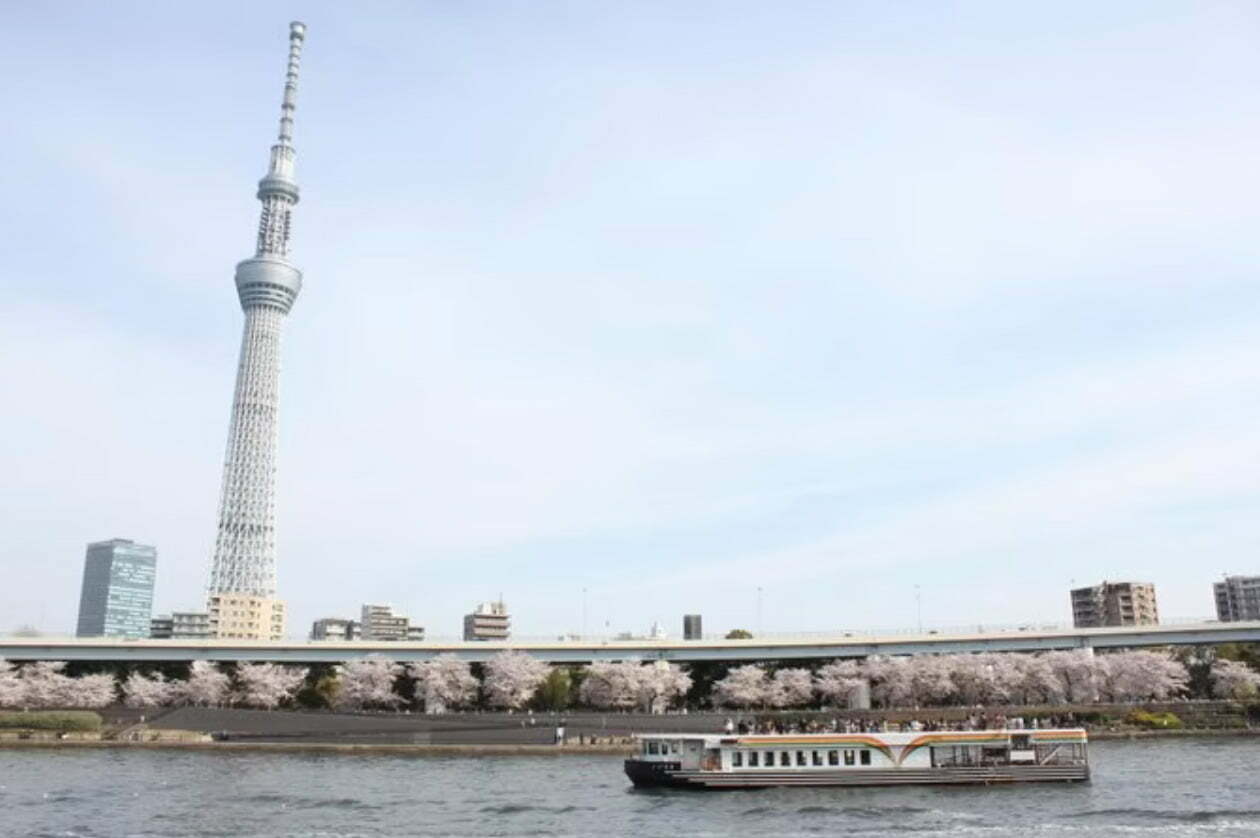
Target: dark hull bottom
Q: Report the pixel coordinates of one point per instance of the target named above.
(644, 774)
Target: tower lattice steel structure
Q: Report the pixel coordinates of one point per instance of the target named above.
(245, 549)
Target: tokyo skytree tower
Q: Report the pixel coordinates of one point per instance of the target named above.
(245, 548)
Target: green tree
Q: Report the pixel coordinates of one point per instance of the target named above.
(739, 634)
(703, 674)
(556, 692)
(320, 688)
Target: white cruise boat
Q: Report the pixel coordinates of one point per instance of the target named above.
(724, 761)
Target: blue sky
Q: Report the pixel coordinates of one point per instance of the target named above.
(663, 301)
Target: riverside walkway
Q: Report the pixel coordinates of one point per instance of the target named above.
(841, 644)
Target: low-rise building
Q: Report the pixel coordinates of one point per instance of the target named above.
(180, 625)
(246, 617)
(1115, 604)
(161, 627)
(335, 629)
(692, 627)
(488, 621)
(1237, 598)
(376, 623)
(379, 622)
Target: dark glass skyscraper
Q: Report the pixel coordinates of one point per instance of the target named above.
(117, 597)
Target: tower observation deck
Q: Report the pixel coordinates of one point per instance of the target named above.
(242, 586)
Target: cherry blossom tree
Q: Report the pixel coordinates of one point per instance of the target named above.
(95, 691)
(1076, 673)
(267, 685)
(207, 685)
(1234, 680)
(11, 688)
(1139, 676)
(837, 681)
(931, 683)
(612, 686)
(972, 677)
(45, 685)
(792, 687)
(367, 683)
(443, 683)
(661, 684)
(890, 677)
(1167, 677)
(140, 690)
(743, 687)
(512, 678)
(1035, 680)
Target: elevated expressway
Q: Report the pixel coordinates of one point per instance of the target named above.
(846, 645)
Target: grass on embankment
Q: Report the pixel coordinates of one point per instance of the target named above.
(63, 720)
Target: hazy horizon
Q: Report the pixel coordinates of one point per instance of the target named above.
(668, 303)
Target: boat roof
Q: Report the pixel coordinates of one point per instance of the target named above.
(920, 737)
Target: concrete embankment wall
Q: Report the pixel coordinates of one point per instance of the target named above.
(512, 729)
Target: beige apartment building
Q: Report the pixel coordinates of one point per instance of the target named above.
(488, 621)
(245, 617)
(1115, 604)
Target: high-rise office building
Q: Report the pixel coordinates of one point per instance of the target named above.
(1115, 604)
(117, 595)
(243, 570)
(1237, 598)
(488, 621)
(691, 627)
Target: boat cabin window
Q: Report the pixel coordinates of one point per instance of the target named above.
(800, 758)
(833, 757)
(673, 747)
(817, 757)
(737, 759)
(785, 758)
(848, 757)
(866, 757)
(754, 759)
(652, 747)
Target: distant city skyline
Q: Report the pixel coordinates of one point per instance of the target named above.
(634, 312)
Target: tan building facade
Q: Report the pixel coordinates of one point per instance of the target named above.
(246, 617)
(488, 621)
(1115, 604)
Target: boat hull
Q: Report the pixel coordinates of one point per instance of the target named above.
(647, 774)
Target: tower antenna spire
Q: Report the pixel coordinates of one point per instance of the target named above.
(297, 34)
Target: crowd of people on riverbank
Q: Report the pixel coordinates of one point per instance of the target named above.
(980, 721)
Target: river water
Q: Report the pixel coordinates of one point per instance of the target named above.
(1145, 788)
